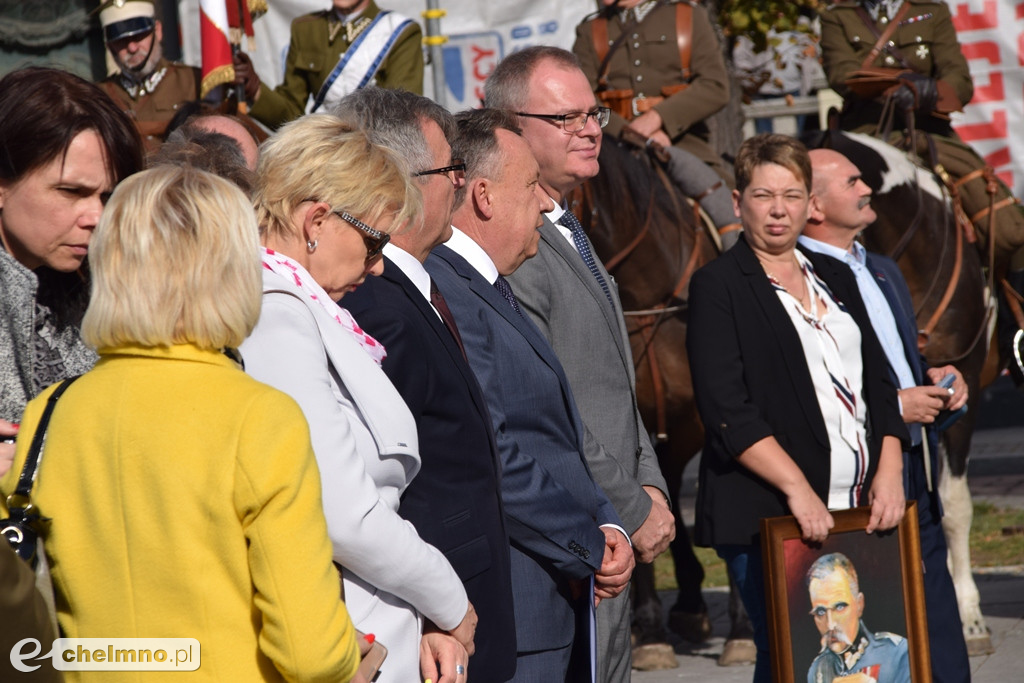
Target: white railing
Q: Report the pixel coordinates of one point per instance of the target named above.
(784, 114)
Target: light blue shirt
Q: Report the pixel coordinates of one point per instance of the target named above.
(882, 319)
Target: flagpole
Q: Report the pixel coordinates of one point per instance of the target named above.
(434, 40)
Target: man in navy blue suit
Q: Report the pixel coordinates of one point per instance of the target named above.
(840, 210)
(455, 499)
(568, 545)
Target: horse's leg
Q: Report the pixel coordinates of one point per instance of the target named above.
(652, 651)
(956, 523)
(739, 647)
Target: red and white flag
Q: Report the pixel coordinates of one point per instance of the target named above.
(213, 31)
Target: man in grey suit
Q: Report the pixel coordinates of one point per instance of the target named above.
(568, 547)
(574, 302)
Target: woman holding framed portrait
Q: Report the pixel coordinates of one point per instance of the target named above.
(799, 413)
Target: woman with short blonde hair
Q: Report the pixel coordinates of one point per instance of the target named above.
(184, 495)
(328, 201)
(154, 245)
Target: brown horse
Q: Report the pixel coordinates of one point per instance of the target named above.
(917, 228)
(646, 233)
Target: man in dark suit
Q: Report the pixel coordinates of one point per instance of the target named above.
(455, 499)
(565, 532)
(840, 210)
(573, 300)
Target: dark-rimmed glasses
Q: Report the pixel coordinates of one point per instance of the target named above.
(374, 239)
(456, 171)
(575, 121)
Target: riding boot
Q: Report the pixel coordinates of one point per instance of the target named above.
(1011, 336)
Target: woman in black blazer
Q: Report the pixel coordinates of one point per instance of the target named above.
(791, 384)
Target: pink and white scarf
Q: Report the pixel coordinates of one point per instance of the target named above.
(291, 271)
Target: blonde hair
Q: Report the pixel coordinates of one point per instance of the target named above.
(324, 158)
(174, 259)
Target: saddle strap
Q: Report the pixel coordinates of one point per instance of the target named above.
(990, 210)
(1014, 301)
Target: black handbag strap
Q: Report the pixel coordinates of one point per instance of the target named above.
(28, 472)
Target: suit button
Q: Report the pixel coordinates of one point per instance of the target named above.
(586, 554)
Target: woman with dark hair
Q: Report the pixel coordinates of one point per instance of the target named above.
(64, 145)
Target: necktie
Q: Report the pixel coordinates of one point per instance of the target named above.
(570, 221)
(501, 284)
(441, 306)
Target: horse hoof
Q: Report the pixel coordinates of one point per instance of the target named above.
(654, 657)
(979, 645)
(692, 626)
(738, 652)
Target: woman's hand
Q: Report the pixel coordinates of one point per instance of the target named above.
(7, 431)
(811, 514)
(440, 654)
(888, 503)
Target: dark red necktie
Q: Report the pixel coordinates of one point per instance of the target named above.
(446, 315)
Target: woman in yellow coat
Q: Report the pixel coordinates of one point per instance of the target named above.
(184, 496)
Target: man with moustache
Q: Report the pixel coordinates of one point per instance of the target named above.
(572, 299)
(841, 210)
(455, 500)
(849, 653)
(333, 53)
(148, 87)
(568, 548)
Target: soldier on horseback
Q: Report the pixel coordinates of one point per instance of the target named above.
(900, 70)
(661, 85)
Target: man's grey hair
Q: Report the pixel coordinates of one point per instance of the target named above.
(825, 565)
(508, 86)
(392, 119)
(476, 142)
(209, 151)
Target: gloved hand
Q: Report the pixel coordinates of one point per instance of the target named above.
(245, 76)
(917, 92)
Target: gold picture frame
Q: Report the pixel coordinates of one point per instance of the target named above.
(888, 578)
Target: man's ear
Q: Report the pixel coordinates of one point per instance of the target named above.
(158, 31)
(860, 605)
(815, 210)
(483, 202)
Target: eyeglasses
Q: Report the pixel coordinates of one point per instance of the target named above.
(576, 121)
(375, 239)
(456, 172)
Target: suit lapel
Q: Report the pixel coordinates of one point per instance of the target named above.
(904, 319)
(574, 262)
(394, 274)
(496, 301)
(786, 334)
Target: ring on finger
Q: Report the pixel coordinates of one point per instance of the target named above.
(459, 670)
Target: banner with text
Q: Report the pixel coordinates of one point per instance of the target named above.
(991, 35)
(479, 35)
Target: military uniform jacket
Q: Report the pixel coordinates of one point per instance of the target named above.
(925, 38)
(153, 110)
(649, 60)
(312, 55)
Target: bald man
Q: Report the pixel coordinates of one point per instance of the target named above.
(841, 210)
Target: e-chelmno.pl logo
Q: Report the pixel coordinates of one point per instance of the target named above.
(109, 654)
